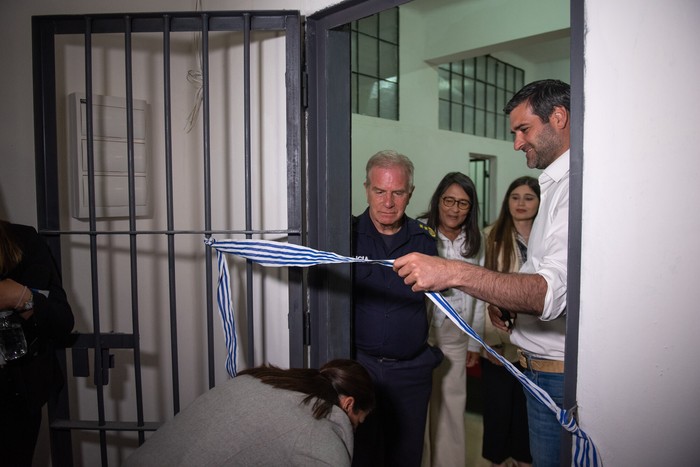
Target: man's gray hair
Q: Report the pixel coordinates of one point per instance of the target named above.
(387, 159)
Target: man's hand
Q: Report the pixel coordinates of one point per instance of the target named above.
(424, 273)
(497, 318)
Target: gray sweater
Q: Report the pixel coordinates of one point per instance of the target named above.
(244, 422)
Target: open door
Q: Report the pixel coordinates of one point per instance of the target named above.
(329, 150)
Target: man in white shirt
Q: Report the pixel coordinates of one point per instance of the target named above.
(540, 120)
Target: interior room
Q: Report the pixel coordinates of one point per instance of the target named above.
(251, 168)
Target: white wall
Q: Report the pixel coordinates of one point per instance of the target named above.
(639, 385)
(17, 193)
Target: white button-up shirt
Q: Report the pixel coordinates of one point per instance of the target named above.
(468, 307)
(547, 254)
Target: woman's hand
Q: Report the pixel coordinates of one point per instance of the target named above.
(493, 359)
(472, 358)
(12, 294)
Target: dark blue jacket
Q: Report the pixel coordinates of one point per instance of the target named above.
(389, 318)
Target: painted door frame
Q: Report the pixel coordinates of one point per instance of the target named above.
(329, 162)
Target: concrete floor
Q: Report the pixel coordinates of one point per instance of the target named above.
(474, 431)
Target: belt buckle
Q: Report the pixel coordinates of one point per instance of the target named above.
(525, 360)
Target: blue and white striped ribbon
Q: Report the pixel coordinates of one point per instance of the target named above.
(276, 254)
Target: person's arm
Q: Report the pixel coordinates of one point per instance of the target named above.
(472, 359)
(521, 293)
(479, 313)
(477, 324)
(52, 312)
(12, 294)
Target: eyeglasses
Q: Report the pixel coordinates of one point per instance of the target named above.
(462, 204)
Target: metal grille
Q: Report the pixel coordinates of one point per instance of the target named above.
(473, 93)
(375, 65)
(132, 250)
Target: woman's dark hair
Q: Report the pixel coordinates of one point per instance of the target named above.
(471, 223)
(542, 96)
(10, 252)
(499, 242)
(340, 377)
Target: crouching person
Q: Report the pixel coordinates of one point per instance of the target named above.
(267, 416)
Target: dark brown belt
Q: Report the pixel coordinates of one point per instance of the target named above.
(382, 359)
(538, 364)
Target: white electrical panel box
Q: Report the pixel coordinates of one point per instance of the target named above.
(110, 149)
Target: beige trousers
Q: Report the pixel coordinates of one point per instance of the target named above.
(444, 434)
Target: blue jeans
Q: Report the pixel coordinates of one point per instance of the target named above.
(545, 429)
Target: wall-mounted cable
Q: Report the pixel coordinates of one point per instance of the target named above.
(195, 77)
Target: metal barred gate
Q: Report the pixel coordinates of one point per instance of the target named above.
(113, 248)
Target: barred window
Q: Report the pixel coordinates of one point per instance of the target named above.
(375, 65)
(472, 95)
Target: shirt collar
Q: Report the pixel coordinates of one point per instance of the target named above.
(557, 169)
(460, 237)
(367, 226)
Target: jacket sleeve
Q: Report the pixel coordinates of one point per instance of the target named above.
(53, 317)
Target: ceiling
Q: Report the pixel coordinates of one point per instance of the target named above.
(547, 47)
(541, 52)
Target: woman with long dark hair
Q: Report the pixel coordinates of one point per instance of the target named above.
(505, 413)
(454, 215)
(268, 416)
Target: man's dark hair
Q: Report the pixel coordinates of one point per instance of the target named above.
(542, 97)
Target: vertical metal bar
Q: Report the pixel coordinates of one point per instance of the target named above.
(297, 303)
(207, 195)
(44, 70)
(486, 215)
(132, 223)
(248, 207)
(573, 303)
(167, 117)
(45, 128)
(398, 61)
(376, 71)
(93, 239)
(329, 221)
(473, 99)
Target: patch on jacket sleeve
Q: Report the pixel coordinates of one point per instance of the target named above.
(430, 231)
